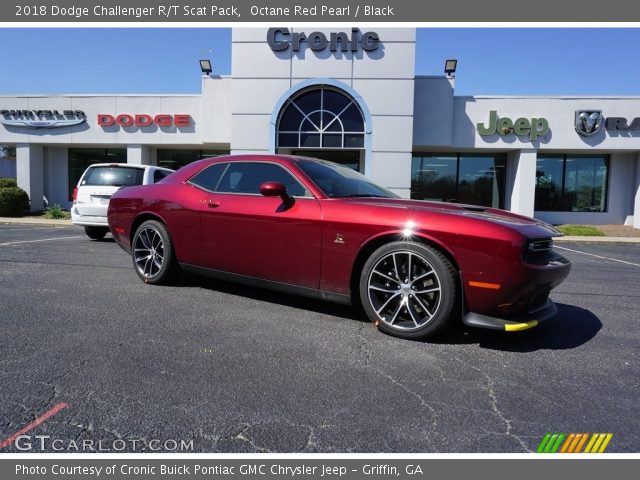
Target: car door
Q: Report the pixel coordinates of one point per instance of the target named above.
(249, 234)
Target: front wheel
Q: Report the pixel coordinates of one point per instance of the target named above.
(408, 289)
(152, 253)
(96, 233)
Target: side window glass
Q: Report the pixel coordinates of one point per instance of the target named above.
(209, 177)
(246, 177)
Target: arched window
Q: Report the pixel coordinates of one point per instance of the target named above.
(321, 118)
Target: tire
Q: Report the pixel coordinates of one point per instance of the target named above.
(152, 253)
(417, 309)
(96, 233)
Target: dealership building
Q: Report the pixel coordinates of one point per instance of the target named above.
(349, 96)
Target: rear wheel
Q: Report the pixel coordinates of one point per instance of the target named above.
(96, 233)
(152, 253)
(408, 289)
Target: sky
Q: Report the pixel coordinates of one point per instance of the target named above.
(511, 61)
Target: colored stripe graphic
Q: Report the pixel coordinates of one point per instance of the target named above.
(543, 443)
(577, 443)
(565, 447)
(581, 443)
(607, 439)
(556, 446)
(551, 442)
(596, 446)
(573, 442)
(598, 442)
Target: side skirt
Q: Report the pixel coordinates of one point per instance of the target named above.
(269, 284)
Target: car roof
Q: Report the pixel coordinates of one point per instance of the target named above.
(258, 157)
(189, 170)
(127, 165)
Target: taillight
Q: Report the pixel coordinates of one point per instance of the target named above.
(74, 195)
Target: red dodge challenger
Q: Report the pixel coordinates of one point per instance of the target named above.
(315, 228)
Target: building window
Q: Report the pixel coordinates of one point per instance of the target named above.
(460, 178)
(175, 158)
(7, 152)
(321, 118)
(81, 158)
(570, 183)
(7, 161)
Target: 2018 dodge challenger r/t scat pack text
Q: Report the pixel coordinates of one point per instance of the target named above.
(316, 228)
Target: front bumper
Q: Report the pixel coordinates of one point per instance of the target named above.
(515, 323)
(515, 290)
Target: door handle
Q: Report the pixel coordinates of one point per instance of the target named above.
(213, 204)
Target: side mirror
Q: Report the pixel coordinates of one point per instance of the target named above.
(273, 189)
(277, 189)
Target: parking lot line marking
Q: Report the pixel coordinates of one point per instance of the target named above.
(597, 256)
(39, 240)
(38, 421)
(30, 229)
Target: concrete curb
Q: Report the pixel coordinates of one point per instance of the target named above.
(597, 239)
(34, 221)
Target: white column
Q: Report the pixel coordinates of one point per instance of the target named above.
(391, 170)
(153, 156)
(56, 165)
(636, 204)
(138, 155)
(30, 173)
(522, 178)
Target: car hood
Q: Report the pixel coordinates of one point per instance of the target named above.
(530, 227)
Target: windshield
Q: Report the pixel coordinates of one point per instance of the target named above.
(337, 181)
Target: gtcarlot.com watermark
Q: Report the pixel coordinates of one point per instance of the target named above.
(44, 443)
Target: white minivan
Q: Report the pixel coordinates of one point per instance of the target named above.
(96, 186)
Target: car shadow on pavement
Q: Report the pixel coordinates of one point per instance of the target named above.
(572, 327)
(107, 239)
(271, 296)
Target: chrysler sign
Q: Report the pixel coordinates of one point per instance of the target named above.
(42, 118)
(280, 39)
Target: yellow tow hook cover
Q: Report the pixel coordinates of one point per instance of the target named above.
(517, 327)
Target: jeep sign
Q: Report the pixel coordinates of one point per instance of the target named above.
(534, 128)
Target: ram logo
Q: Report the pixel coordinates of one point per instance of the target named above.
(588, 122)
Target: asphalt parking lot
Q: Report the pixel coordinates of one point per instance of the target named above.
(238, 369)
